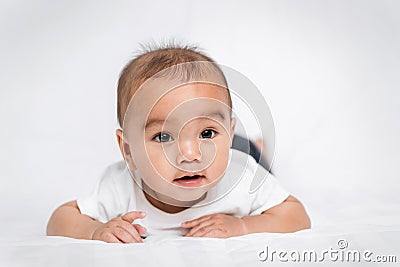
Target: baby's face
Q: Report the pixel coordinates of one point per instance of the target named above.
(187, 136)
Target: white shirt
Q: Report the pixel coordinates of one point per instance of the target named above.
(117, 193)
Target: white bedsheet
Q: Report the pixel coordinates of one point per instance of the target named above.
(371, 224)
(237, 251)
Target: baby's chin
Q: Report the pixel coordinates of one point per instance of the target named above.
(175, 193)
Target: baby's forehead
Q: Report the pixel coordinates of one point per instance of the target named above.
(198, 96)
(163, 97)
(196, 90)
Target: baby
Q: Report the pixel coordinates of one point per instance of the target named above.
(180, 175)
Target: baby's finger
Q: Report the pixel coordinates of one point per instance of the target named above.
(124, 236)
(192, 223)
(131, 229)
(133, 215)
(203, 230)
(140, 229)
(109, 238)
(214, 233)
(199, 227)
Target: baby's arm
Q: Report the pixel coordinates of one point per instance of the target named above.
(289, 216)
(67, 220)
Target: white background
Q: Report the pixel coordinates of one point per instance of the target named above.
(328, 69)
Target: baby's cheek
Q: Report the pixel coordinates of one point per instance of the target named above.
(220, 164)
(156, 158)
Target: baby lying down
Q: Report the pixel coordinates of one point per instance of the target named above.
(180, 175)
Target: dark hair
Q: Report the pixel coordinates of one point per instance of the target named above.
(153, 60)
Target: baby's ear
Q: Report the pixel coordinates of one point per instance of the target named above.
(124, 148)
(120, 140)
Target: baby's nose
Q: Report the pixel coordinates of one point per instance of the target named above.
(189, 149)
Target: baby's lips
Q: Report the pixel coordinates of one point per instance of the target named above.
(188, 177)
(190, 174)
(189, 181)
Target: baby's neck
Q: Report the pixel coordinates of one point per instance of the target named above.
(162, 205)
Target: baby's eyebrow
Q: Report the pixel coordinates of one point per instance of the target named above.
(214, 115)
(153, 122)
(157, 121)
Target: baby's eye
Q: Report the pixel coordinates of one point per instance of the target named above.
(163, 137)
(208, 133)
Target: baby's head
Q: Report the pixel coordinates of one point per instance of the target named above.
(175, 111)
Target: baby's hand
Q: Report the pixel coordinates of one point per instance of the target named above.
(121, 229)
(216, 225)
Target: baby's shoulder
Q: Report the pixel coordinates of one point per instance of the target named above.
(247, 172)
(115, 168)
(115, 174)
(241, 163)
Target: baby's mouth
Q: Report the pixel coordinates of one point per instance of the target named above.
(190, 180)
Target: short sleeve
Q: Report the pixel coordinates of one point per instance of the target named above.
(268, 195)
(111, 196)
